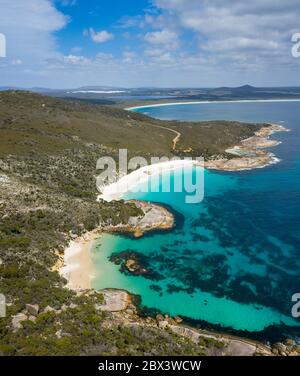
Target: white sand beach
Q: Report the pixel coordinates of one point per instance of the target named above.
(128, 183)
(78, 268)
(208, 102)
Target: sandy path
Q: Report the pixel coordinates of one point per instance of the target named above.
(175, 140)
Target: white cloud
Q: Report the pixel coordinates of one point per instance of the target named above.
(129, 56)
(185, 42)
(161, 45)
(153, 52)
(29, 26)
(163, 37)
(255, 29)
(104, 56)
(99, 36)
(163, 58)
(128, 22)
(242, 44)
(76, 60)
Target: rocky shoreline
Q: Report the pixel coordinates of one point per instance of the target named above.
(156, 217)
(122, 310)
(250, 153)
(76, 266)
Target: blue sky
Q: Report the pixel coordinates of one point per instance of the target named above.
(164, 43)
(99, 15)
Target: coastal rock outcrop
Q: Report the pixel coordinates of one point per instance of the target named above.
(155, 217)
(250, 153)
(17, 321)
(288, 348)
(33, 309)
(134, 263)
(114, 300)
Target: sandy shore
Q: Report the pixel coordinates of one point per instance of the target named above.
(129, 182)
(208, 102)
(78, 268)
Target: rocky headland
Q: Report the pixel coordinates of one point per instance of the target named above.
(155, 217)
(250, 153)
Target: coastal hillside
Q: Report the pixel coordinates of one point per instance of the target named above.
(48, 154)
(33, 123)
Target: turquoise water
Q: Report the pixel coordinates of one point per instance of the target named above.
(232, 262)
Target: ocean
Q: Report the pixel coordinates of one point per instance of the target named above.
(232, 262)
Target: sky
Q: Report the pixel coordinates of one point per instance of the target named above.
(142, 43)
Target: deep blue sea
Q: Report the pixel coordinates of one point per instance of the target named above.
(233, 261)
